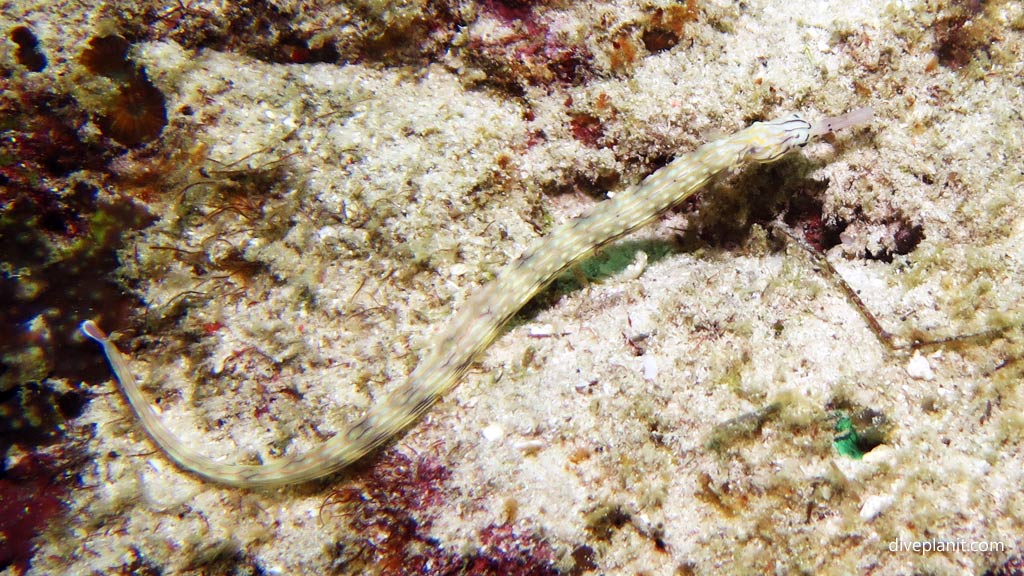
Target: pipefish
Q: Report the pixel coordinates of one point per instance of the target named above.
(478, 323)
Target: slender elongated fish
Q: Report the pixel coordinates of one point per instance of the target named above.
(477, 324)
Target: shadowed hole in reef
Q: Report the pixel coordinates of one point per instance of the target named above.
(28, 54)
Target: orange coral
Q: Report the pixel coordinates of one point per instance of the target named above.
(137, 114)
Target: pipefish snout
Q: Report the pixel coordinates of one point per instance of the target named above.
(477, 324)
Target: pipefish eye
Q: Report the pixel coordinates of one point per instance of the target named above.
(761, 153)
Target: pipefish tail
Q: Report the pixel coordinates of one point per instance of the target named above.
(477, 324)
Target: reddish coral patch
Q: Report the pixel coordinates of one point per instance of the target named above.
(504, 551)
(530, 55)
(587, 129)
(805, 211)
(211, 327)
(391, 507)
(510, 10)
(29, 499)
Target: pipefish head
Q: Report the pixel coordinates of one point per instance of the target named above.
(768, 141)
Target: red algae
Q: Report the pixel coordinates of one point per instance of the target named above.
(29, 499)
(391, 506)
